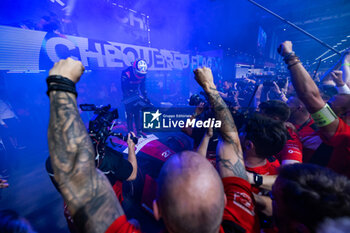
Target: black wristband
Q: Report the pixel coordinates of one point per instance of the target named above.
(60, 87)
(290, 58)
(60, 83)
(297, 62)
(291, 54)
(59, 79)
(258, 180)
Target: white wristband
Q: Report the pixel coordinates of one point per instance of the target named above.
(343, 89)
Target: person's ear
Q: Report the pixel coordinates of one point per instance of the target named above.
(156, 211)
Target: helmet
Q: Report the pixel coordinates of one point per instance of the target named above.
(140, 68)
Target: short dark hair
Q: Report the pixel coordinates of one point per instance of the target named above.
(267, 135)
(313, 193)
(276, 108)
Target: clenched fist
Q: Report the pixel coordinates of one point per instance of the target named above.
(337, 76)
(285, 48)
(204, 77)
(68, 68)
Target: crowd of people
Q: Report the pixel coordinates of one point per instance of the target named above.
(284, 167)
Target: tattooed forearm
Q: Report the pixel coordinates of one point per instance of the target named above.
(230, 157)
(223, 114)
(87, 192)
(237, 169)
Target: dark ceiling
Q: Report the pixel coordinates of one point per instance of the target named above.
(328, 20)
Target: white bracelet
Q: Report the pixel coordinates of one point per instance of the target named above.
(343, 89)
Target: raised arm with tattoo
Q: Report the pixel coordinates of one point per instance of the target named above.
(229, 152)
(306, 88)
(86, 191)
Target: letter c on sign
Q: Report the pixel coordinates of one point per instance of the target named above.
(51, 47)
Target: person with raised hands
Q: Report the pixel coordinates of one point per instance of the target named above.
(87, 192)
(331, 118)
(190, 194)
(239, 209)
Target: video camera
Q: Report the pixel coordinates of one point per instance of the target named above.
(196, 99)
(100, 126)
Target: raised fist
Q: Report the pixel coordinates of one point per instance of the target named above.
(337, 76)
(204, 77)
(68, 68)
(285, 48)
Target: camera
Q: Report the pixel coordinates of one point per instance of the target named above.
(196, 99)
(100, 126)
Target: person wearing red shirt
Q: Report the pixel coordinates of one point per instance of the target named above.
(330, 118)
(190, 195)
(292, 150)
(270, 167)
(305, 127)
(191, 182)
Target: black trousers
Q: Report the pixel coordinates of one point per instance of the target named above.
(133, 113)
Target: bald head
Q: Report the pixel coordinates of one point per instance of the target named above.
(190, 194)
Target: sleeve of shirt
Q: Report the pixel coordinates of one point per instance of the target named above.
(143, 88)
(124, 82)
(343, 89)
(240, 204)
(121, 225)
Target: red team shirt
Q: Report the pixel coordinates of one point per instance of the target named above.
(292, 150)
(270, 168)
(309, 138)
(238, 210)
(340, 158)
